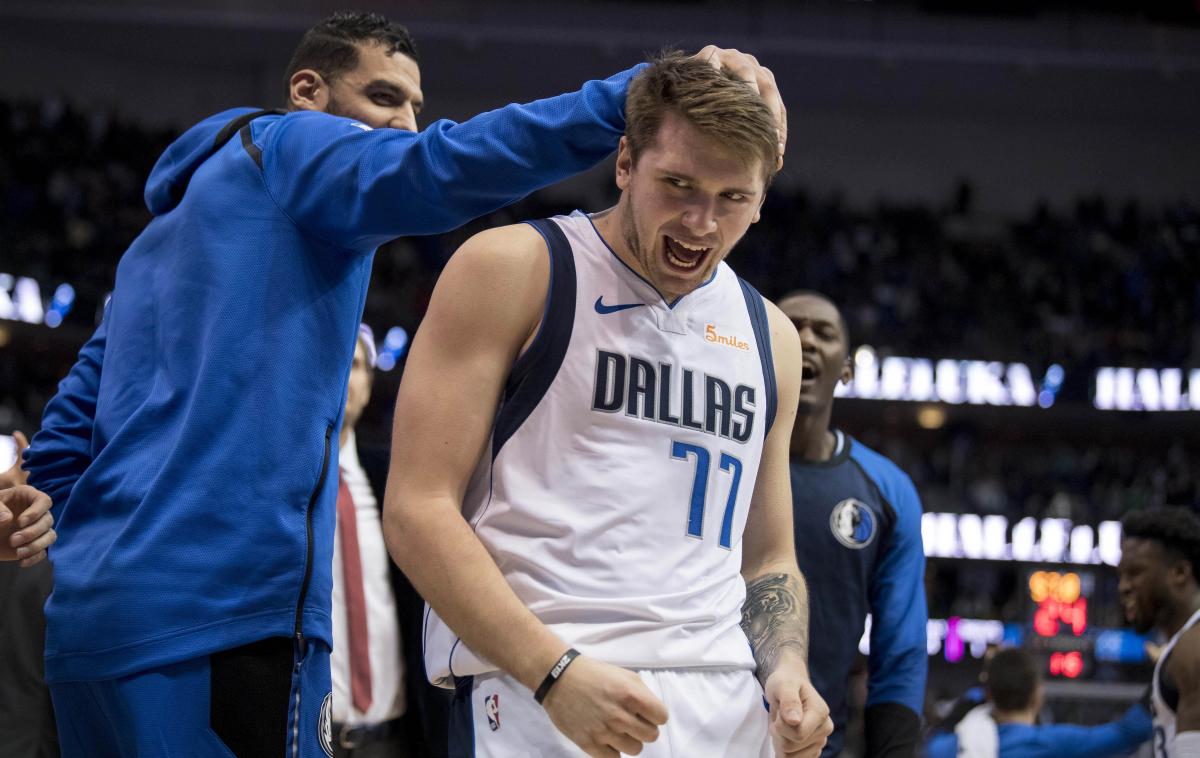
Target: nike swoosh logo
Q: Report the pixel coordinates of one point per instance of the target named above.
(601, 308)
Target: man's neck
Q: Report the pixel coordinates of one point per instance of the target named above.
(1180, 614)
(812, 440)
(608, 225)
(345, 434)
(1027, 716)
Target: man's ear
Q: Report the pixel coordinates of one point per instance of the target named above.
(624, 168)
(1180, 572)
(308, 91)
(847, 374)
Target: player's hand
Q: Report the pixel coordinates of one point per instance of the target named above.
(15, 475)
(604, 709)
(800, 721)
(25, 525)
(746, 67)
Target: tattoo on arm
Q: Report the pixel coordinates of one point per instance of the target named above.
(775, 619)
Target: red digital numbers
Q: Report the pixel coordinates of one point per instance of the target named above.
(1069, 665)
(1051, 614)
(1060, 601)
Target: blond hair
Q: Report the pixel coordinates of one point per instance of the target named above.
(716, 103)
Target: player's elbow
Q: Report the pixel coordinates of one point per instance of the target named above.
(410, 523)
(397, 525)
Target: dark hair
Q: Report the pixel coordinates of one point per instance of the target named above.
(845, 327)
(718, 104)
(1176, 528)
(1012, 679)
(331, 47)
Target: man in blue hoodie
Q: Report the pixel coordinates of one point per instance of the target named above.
(188, 451)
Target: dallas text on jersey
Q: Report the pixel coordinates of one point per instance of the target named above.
(644, 389)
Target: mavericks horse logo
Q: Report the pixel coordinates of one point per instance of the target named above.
(853, 523)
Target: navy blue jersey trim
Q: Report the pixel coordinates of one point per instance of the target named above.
(762, 335)
(534, 371)
(461, 736)
(670, 304)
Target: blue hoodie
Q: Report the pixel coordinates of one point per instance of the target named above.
(191, 453)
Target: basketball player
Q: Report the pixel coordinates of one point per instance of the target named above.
(189, 451)
(857, 522)
(1160, 556)
(610, 407)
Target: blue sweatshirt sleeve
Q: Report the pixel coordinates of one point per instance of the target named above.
(1115, 738)
(62, 449)
(942, 745)
(899, 658)
(356, 188)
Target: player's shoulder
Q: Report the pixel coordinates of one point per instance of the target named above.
(503, 251)
(501, 276)
(1183, 666)
(511, 240)
(896, 485)
(784, 337)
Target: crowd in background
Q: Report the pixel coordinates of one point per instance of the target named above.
(969, 470)
(1105, 283)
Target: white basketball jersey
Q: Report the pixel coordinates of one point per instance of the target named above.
(1164, 711)
(615, 489)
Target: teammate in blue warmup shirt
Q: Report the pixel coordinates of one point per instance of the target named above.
(188, 452)
(857, 520)
(1006, 725)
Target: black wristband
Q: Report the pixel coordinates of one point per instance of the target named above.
(555, 672)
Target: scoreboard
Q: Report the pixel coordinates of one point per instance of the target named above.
(1058, 621)
(1060, 632)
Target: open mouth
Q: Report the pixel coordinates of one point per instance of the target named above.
(809, 372)
(684, 256)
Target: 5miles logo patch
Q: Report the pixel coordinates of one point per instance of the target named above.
(728, 339)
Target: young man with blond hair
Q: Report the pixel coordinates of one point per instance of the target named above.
(591, 494)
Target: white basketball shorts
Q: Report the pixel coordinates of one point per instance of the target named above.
(711, 713)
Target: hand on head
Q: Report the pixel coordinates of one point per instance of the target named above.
(747, 68)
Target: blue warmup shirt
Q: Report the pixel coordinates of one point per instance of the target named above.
(858, 542)
(188, 452)
(1116, 738)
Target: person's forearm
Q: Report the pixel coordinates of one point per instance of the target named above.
(451, 569)
(388, 183)
(775, 619)
(62, 449)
